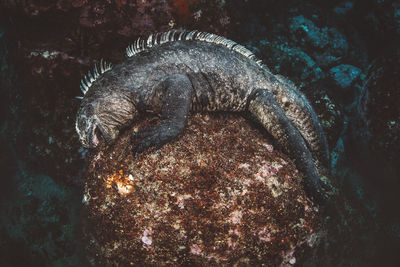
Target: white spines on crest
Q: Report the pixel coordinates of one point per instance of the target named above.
(88, 79)
(182, 35)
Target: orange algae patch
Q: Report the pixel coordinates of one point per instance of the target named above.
(123, 183)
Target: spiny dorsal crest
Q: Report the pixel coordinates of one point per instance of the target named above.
(178, 35)
(88, 79)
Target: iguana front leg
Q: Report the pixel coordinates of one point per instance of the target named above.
(263, 105)
(174, 113)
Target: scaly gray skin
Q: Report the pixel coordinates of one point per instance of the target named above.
(201, 72)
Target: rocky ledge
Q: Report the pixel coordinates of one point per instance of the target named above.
(218, 195)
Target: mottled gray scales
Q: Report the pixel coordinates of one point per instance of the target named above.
(178, 72)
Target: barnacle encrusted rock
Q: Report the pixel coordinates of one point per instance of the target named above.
(218, 195)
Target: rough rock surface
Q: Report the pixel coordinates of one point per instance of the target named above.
(219, 194)
(344, 74)
(41, 223)
(380, 106)
(375, 132)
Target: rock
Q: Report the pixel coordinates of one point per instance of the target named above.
(93, 27)
(344, 75)
(373, 147)
(344, 7)
(218, 195)
(378, 125)
(378, 23)
(307, 33)
(327, 45)
(291, 61)
(39, 215)
(336, 50)
(39, 224)
(209, 16)
(45, 138)
(329, 114)
(125, 18)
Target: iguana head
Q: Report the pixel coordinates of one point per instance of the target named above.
(101, 116)
(105, 108)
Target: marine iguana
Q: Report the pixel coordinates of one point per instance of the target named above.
(176, 72)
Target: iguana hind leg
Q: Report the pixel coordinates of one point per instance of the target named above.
(263, 105)
(176, 99)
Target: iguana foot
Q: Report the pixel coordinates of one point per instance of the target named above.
(155, 136)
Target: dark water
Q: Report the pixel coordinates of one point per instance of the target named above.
(342, 54)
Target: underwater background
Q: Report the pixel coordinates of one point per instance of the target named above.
(343, 55)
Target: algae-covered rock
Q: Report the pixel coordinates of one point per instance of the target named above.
(218, 195)
(344, 75)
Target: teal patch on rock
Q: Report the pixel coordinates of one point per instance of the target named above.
(344, 75)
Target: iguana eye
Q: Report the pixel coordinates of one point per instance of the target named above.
(82, 125)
